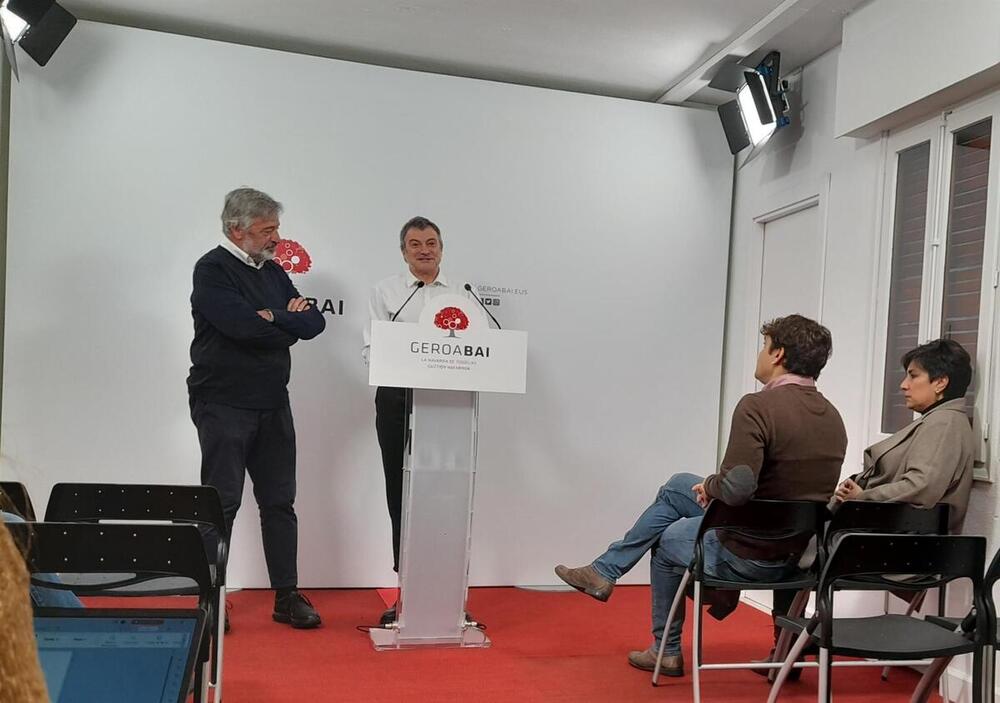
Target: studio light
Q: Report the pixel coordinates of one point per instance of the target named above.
(748, 120)
(759, 108)
(37, 26)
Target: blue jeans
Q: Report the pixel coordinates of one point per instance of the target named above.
(669, 527)
(46, 597)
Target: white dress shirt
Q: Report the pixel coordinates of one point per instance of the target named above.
(390, 293)
(230, 246)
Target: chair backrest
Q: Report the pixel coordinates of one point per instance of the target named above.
(871, 516)
(937, 559)
(96, 502)
(18, 495)
(119, 555)
(764, 520)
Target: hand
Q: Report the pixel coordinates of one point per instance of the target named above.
(298, 305)
(266, 314)
(848, 490)
(700, 497)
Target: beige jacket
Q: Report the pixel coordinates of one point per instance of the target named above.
(927, 462)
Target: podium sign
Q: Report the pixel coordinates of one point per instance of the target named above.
(447, 357)
(423, 356)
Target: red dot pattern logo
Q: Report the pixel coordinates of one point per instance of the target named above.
(292, 256)
(451, 319)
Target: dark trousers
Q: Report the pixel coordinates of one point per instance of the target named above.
(392, 414)
(237, 441)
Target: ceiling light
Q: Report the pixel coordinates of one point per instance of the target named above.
(37, 26)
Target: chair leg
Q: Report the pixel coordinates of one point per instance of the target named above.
(913, 606)
(220, 638)
(928, 682)
(825, 685)
(785, 638)
(678, 602)
(786, 668)
(696, 645)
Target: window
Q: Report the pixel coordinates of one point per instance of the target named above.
(941, 241)
(906, 277)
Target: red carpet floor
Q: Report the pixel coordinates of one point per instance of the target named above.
(547, 647)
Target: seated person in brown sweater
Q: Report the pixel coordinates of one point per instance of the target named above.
(930, 460)
(787, 442)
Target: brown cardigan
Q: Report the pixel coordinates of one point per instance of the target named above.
(20, 674)
(794, 441)
(927, 462)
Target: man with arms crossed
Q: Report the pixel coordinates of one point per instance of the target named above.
(246, 315)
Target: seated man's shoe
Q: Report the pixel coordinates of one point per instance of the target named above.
(295, 609)
(586, 579)
(670, 665)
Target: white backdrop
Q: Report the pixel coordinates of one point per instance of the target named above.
(600, 225)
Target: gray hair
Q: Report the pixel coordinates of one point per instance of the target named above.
(420, 223)
(244, 205)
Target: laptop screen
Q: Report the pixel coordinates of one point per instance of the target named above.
(145, 656)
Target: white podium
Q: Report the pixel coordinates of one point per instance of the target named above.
(447, 359)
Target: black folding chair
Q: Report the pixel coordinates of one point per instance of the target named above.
(195, 505)
(872, 517)
(886, 558)
(764, 521)
(114, 559)
(19, 497)
(965, 625)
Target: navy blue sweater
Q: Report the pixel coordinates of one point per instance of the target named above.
(238, 358)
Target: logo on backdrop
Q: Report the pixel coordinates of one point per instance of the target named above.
(292, 256)
(451, 319)
(493, 295)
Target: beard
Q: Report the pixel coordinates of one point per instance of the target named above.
(263, 255)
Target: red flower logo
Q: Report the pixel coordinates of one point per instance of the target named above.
(292, 257)
(451, 319)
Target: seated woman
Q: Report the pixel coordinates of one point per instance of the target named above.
(930, 460)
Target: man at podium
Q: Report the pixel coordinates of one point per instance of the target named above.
(401, 298)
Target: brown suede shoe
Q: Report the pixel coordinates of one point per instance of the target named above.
(586, 579)
(670, 665)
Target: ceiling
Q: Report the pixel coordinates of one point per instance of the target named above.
(651, 50)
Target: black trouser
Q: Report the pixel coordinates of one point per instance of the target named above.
(237, 441)
(392, 413)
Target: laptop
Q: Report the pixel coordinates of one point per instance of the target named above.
(111, 655)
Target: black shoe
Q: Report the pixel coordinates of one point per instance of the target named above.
(226, 628)
(388, 617)
(295, 610)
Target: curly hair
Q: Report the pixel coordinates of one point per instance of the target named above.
(807, 343)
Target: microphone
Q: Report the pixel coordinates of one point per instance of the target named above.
(420, 284)
(482, 305)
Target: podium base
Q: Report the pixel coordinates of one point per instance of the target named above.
(391, 638)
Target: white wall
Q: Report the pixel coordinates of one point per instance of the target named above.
(610, 217)
(902, 59)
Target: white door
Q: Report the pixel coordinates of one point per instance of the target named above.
(792, 268)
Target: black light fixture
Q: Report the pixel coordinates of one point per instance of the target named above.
(759, 108)
(37, 26)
